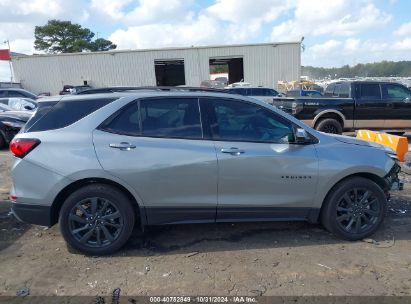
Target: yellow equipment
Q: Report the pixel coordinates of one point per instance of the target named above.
(398, 143)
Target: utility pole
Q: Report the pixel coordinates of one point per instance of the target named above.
(11, 68)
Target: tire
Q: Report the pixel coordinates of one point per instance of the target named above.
(336, 211)
(2, 141)
(329, 125)
(100, 229)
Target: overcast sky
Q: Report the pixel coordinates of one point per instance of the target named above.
(336, 32)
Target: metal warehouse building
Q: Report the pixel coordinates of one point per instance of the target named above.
(258, 64)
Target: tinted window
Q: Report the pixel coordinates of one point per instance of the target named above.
(15, 94)
(65, 113)
(126, 122)
(394, 91)
(329, 91)
(342, 90)
(238, 91)
(3, 93)
(370, 91)
(313, 94)
(258, 92)
(171, 117)
(241, 121)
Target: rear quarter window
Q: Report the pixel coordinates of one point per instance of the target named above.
(64, 113)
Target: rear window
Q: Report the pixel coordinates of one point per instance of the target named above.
(370, 91)
(52, 115)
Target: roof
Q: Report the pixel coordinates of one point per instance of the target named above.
(142, 94)
(160, 49)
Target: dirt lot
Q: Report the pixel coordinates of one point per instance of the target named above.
(223, 259)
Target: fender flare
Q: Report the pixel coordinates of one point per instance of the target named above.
(318, 116)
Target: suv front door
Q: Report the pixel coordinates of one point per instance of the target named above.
(156, 146)
(263, 174)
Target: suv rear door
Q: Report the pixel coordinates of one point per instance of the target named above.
(262, 174)
(156, 145)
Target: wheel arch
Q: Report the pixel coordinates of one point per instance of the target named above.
(375, 178)
(69, 189)
(330, 113)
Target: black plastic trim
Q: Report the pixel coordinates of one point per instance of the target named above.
(32, 214)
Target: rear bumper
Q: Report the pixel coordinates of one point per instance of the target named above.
(32, 214)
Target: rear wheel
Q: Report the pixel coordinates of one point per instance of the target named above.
(97, 219)
(354, 209)
(329, 125)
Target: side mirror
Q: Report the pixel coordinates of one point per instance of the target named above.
(407, 100)
(28, 108)
(301, 136)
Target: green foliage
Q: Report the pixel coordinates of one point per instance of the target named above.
(65, 37)
(377, 69)
(102, 44)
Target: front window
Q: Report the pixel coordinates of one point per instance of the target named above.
(240, 121)
(394, 91)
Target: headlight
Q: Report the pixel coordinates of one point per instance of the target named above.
(13, 124)
(392, 155)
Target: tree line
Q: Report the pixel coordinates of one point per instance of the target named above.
(376, 69)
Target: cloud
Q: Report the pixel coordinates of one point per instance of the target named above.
(353, 50)
(145, 12)
(403, 30)
(337, 17)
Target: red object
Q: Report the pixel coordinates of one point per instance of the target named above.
(20, 147)
(5, 54)
(13, 198)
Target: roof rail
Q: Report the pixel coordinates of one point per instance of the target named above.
(145, 88)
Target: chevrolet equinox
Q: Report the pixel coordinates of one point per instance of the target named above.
(101, 164)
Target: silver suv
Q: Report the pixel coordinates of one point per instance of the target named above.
(103, 164)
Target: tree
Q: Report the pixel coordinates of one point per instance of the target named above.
(65, 37)
(102, 44)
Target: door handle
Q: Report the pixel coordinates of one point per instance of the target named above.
(124, 146)
(232, 151)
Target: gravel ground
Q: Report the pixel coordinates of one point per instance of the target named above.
(221, 259)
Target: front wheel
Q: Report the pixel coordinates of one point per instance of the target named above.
(329, 125)
(354, 209)
(97, 219)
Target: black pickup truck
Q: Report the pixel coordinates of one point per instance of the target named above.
(351, 105)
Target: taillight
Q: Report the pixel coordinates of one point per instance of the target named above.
(20, 147)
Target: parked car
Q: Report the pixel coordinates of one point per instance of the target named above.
(109, 162)
(16, 92)
(264, 94)
(213, 84)
(10, 124)
(351, 105)
(70, 89)
(302, 93)
(19, 104)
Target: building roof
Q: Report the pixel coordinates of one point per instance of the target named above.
(161, 49)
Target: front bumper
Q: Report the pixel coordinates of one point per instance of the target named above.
(32, 214)
(392, 179)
